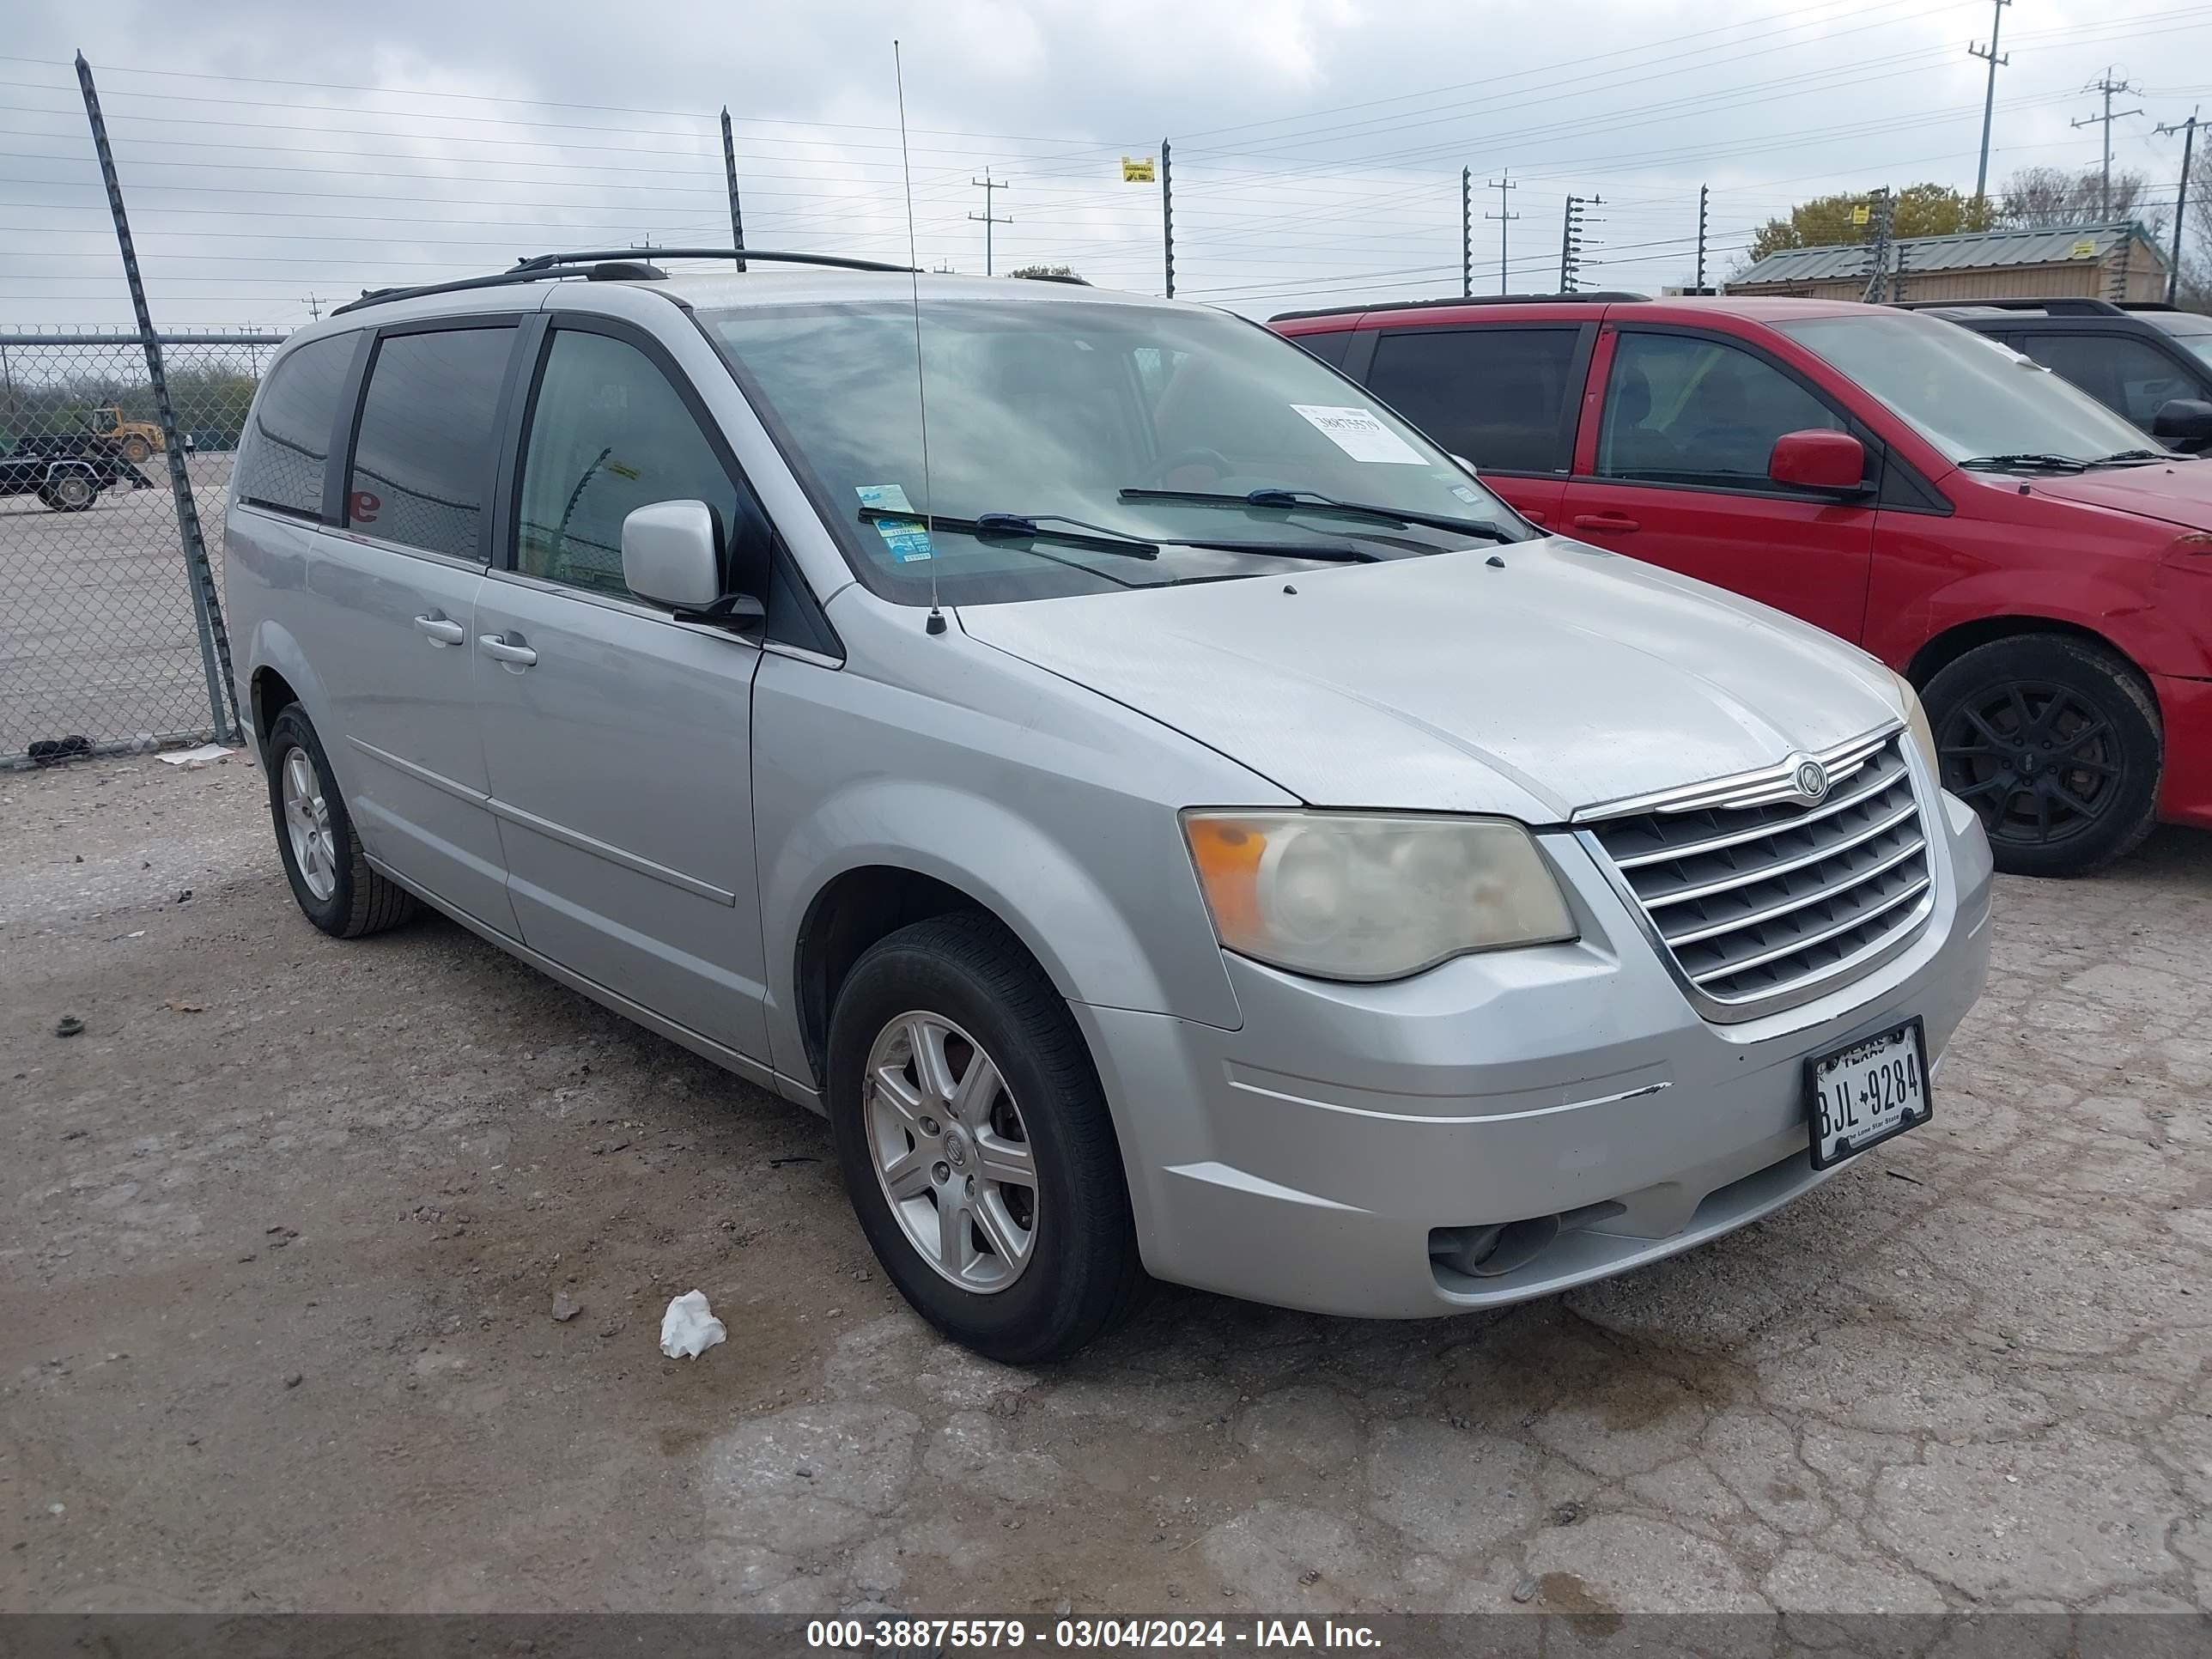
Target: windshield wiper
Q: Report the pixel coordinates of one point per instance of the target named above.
(1020, 527)
(1284, 499)
(2026, 463)
(2119, 456)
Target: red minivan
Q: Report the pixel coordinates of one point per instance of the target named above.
(2035, 565)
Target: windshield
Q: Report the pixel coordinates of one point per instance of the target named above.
(1968, 396)
(2190, 331)
(1053, 411)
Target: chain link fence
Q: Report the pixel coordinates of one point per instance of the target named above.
(100, 648)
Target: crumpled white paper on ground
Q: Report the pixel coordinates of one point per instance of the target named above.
(689, 1329)
(204, 753)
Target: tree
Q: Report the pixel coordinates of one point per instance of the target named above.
(1927, 209)
(1047, 273)
(2054, 199)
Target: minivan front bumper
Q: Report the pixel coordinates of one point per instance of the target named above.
(1314, 1157)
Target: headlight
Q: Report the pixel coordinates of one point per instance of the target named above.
(1916, 724)
(1366, 897)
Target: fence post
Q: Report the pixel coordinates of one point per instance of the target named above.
(207, 609)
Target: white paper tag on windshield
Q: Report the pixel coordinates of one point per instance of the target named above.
(1359, 434)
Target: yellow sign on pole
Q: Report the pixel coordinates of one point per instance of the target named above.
(1135, 170)
(1862, 214)
(2084, 249)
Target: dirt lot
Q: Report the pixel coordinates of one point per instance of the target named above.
(285, 1223)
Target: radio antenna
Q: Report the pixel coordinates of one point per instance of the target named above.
(936, 622)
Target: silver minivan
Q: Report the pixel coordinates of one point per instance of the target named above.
(1170, 817)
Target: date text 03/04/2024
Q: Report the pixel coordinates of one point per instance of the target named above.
(938, 1634)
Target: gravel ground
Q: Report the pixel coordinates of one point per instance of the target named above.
(286, 1224)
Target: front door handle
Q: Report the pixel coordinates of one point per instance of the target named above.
(443, 630)
(516, 657)
(1613, 521)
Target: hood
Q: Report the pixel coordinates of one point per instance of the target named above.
(2178, 492)
(1569, 678)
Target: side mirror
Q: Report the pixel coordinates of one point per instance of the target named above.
(668, 555)
(1464, 462)
(1817, 460)
(2182, 420)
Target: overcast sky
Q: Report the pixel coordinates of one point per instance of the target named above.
(272, 152)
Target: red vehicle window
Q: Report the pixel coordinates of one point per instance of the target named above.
(1501, 397)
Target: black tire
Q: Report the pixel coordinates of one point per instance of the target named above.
(1083, 1274)
(136, 450)
(360, 901)
(2056, 744)
(70, 491)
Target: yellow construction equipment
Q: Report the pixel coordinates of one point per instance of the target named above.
(132, 439)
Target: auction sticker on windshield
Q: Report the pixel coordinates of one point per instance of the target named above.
(1359, 434)
(1858, 1096)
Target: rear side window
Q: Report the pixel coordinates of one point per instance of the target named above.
(422, 462)
(286, 445)
(1500, 396)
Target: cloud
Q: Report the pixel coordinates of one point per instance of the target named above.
(1318, 143)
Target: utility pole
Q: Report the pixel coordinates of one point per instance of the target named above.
(1505, 220)
(314, 305)
(2188, 131)
(1466, 234)
(2109, 87)
(1570, 239)
(1703, 191)
(986, 185)
(730, 172)
(1167, 213)
(1989, 96)
(1881, 208)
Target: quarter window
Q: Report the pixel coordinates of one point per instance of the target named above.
(609, 436)
(1683, 408)
(1500, 396)
(422, 462)
(286, 445)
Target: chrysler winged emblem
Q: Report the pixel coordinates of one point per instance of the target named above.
(1811, 779)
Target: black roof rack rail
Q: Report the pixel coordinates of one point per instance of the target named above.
(613, 265)
(838, 261)
(2058, 306)
(1592, 296)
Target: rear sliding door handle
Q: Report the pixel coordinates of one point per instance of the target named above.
(1613, 521)
(517, 657)
(443, 630)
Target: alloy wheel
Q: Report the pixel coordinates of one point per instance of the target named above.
(307, 825)
(2037, 760)
(950, 1151)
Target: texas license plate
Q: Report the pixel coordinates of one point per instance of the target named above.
(1859, 1096)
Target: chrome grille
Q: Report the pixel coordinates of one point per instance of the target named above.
(1759, 894)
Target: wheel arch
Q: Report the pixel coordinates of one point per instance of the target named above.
(882, 852)
(857, 908)
(1943, 649)
(280, 675)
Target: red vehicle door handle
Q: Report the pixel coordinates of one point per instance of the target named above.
(1614, 521)
(1533, 517)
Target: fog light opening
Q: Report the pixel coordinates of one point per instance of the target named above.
(1492, 1252)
